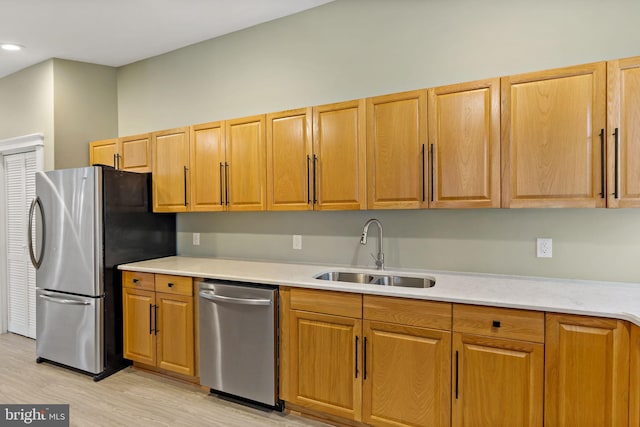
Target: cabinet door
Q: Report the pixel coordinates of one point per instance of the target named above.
(175, 333)
(406, 375)
(496, 382)
(551, 144)
(634, 383)
(324, 364)
(103, 152)
(396, 138)
(339, 148)
(464, 145)
(170, 167)
(135, 153)
(586, 371)
(138, 314)
(207, 159)
(245, 167)
(289, 159)
(623, 133)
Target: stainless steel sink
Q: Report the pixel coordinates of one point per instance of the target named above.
(343, 276)
(378, 279)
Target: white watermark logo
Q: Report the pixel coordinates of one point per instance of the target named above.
(37, 415)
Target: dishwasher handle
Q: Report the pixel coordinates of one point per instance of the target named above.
(243, 301)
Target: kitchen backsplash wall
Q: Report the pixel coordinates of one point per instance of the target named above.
(353, 48)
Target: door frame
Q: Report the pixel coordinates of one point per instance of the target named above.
(20, 144)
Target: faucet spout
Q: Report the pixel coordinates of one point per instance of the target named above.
(379, 259)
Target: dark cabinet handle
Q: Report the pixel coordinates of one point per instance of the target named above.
(115, 161)
(170, 285)
(136, 280)
(226, 182)
(431, 173)
(309, 182)
(616, 192)
(423, 189)
(457, 375)
(364, 359)
(221, 182)
(495, 324)
(155, 319)
(150, 316)
(356, 354)
(602, 164)
(185, 184)
(315, 173)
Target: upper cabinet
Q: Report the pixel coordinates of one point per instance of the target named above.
(464, 145)
(553, 138)
(316, 158)
(207, 172)
(623, 133)
(131, 153)
(170, 151)
(289, 160)
(245, 166)
(396, 157)
(339, 156)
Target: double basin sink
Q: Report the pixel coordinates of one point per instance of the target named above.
(377, 279)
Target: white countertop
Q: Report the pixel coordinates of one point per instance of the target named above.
(604, 299)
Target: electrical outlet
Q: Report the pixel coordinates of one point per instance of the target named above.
(196, 239)
(544, 248)
(297, 242)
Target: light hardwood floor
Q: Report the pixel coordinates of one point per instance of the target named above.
(129, 397)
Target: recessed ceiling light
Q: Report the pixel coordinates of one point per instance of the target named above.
(10, 46)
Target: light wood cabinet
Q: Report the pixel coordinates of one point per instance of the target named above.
(497, 378)
(623, 133)
(586, 371)
(552, 137)
(339, 150)
(158, 321)
(131, 153)
(396, 157)
(392, 368)
(246, 164)
(634, 373)
(464, 145)
(316, 158)
(406, 362)
(207, 171)
(289, 160)
(104, 152)
(170, 153)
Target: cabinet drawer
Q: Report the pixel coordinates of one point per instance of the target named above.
(327, 302)
(178, 285)
(499, 322)
(135, 280)
(426, 314)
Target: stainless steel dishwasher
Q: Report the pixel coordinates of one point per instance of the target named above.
(238, 340)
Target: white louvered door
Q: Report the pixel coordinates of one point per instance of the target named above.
(20, 189)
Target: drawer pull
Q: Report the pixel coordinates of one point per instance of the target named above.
(496, 324)
(171, 286)
(136, 280)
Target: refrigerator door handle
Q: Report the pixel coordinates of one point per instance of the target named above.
(64, 301)
(36, 262)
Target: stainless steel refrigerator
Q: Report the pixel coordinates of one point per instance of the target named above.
(84, 223)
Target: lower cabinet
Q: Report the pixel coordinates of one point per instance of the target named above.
(158, 321)
(497, 376)
(368, 358)
(586, 371)
(634, 383)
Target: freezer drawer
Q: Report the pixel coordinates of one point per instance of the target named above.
(238, 340)
(69, 330)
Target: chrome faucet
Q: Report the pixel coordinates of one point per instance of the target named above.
(379, 259)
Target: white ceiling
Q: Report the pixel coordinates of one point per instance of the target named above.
(119, 32)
